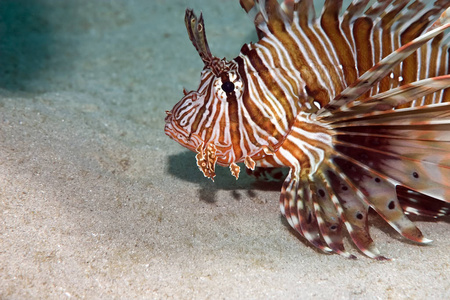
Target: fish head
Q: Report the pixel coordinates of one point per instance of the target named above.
(203, 119)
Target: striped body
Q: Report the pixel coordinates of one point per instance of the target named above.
(360, 124)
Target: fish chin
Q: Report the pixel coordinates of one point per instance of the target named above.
(183, 138)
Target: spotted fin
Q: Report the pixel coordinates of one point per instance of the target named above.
(415, 203)
(297, 205)
(388, 154)
(394, 161)
(319, 209)
(353, 209)
(409, 146)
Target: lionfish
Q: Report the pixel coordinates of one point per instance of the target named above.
(357, 105)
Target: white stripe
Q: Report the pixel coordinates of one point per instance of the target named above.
(303, 48)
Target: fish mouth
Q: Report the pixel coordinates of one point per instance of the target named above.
(170, 131)
(168, 128)
(168, 117)
(189, 141)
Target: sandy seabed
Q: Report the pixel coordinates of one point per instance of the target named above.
(97, 203)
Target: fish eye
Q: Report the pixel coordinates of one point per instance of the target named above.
(231, 86)
(228, 87)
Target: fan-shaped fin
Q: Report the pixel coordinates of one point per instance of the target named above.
(422, 176)
(395, 161)
(422, 205)
(306, 214)
(380, 194)
(353, 210)
(297, 204)
(330, 224)
(318, 207)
